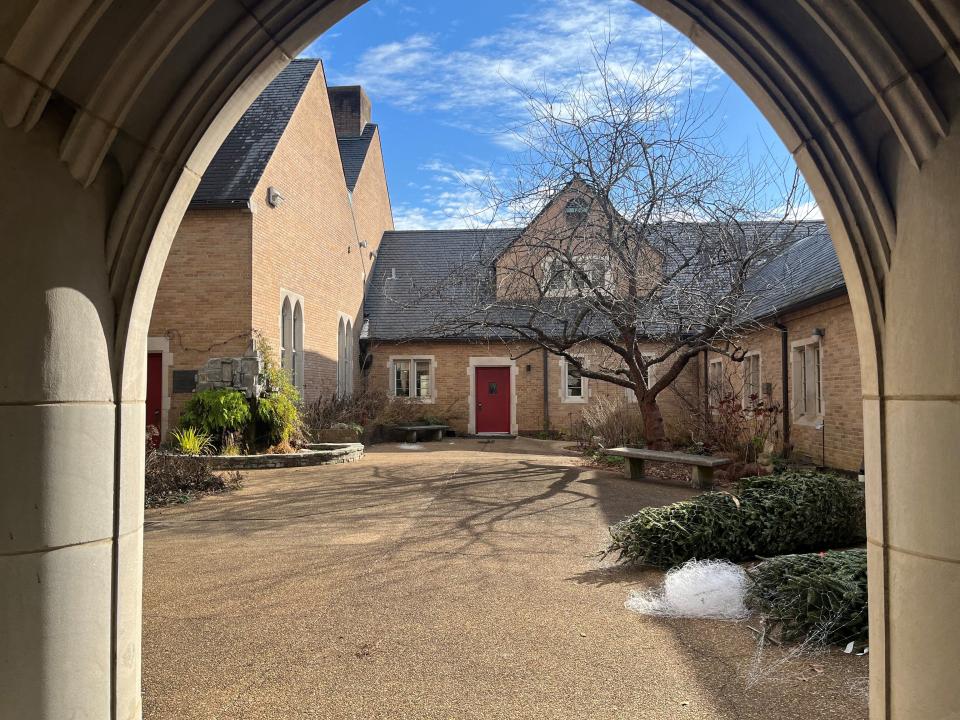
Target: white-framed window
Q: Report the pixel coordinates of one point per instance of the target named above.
(653, 374)
(286, 333)
(717, 380)
(345, 370)
(751, 379)
(291, 337)
(565, 277)
(297, 356)
(412, 377)
(805, 364)
(573, 385)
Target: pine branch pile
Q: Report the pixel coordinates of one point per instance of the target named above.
(786, 513)
(819, 597)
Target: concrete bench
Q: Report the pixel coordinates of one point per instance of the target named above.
(411, 432)
(703, 465)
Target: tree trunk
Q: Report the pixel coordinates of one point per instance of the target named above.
(653, 429)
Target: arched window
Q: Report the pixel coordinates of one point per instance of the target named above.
(286, 334)
(348, 355)
(341, 359)
(345, 357)
(297, 359)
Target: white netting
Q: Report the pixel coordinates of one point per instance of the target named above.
(697, 589)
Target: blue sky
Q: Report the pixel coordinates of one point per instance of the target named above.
(441, 77)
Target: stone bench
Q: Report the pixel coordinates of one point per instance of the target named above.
(411, 432)
(703, 465)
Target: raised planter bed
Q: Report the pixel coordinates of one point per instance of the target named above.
(321, 454)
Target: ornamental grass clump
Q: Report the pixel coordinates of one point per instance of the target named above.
(817, 596)
(791, 512)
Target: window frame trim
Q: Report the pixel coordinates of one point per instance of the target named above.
(807, 418)
(568, 291)
(412, 359)
(584, 396)
(298, 378)
(744, 397)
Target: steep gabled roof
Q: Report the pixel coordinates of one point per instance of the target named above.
(239, 163)
(353, 153)
(410, 265)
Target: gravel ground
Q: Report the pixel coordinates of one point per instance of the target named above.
(457, 581)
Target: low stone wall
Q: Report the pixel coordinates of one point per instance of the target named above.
(324, 454)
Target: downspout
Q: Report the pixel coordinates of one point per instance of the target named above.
(706, 390)
(546, 392)
(784, 383)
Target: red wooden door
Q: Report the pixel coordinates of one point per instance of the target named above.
(154, 392)
(493, 400)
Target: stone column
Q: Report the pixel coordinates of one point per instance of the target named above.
(914, 536)
(70, 533)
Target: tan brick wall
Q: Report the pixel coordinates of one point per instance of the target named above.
(841, 442)
(309, 245)
(371, 202)
(227, 268)
(452, 383)
(203, 302)
(374, 216)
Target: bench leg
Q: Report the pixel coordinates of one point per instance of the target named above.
(702, 477)
(635, 468)
(411, 436)
(438, 435)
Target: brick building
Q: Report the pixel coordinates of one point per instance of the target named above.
(806, 330)
(282, 236)
(279, 239)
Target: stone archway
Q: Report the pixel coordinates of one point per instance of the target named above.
(112, 112)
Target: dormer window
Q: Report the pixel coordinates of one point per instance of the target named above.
(579, 275)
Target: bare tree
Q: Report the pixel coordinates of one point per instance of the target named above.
(641, 238)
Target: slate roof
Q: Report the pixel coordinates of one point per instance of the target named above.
(807, 271)
(353, 153)
(410, 265)
(410, 293)
(239, 163)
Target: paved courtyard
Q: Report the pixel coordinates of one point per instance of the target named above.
(457, 581)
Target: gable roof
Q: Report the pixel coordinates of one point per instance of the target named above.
(806, 272)
(353, 153)
(403, 302)
(410, 264)
(237, 167)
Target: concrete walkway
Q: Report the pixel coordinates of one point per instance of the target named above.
(456, 581)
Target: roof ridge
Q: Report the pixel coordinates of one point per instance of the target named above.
(450, 230)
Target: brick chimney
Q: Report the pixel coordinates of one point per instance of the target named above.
(351, 110)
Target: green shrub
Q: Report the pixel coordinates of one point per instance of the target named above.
(279, 417)
(278, 410)
(791, 512)
(216, 411)
(821, 597)
(190, 441)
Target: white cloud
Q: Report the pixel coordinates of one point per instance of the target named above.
(551, 43)
(452, 198)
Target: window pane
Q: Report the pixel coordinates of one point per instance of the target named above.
(751, 385)
(817, 380)
(402, 378)
(810, 362)
(574, 382)
(799, 397)
(423, 378)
